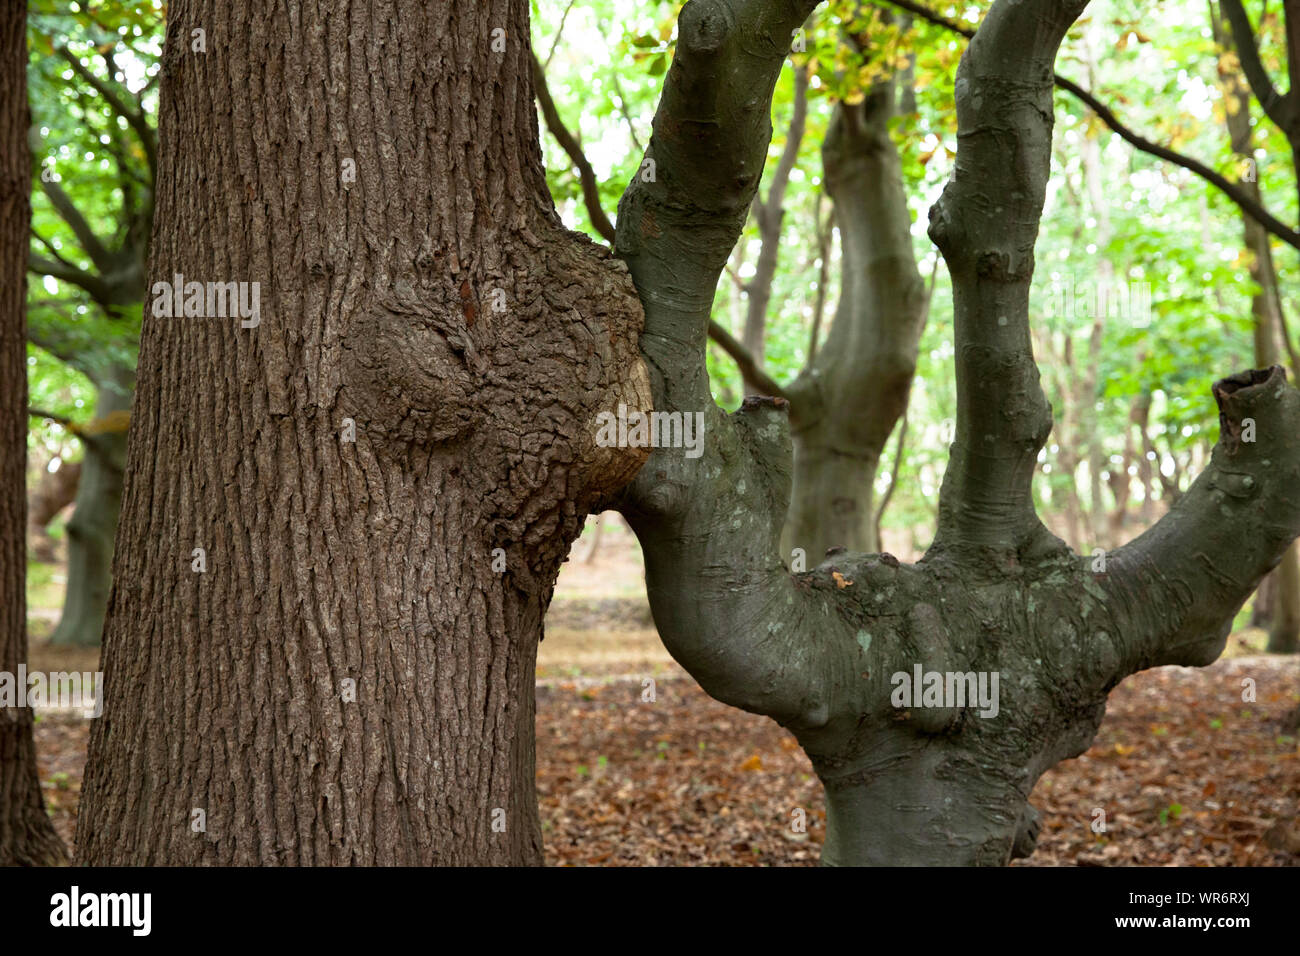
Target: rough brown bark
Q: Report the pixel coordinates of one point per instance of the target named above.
(27, 837)
(437, 303)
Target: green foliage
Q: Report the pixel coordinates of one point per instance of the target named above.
(86, 150)
(606, 61)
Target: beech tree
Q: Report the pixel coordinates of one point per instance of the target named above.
(996, 592)
(341, 526)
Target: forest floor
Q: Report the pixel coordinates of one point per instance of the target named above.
(1184, 771)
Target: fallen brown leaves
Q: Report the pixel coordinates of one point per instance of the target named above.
(1185, 772)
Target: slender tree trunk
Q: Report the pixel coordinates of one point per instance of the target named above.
(94, 519)
(27, 837)
(1261, 613)
(770, 214)
(383, 475)
(1104, 281)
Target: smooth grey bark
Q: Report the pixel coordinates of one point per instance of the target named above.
(27, 836)
(996, 593)
(348, 679)
(93, 523)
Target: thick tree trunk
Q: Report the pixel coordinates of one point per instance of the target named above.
(94, 519)
(350, 680)
(27, 837)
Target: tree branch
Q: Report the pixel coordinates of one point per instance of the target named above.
(1248, 205)
(985, 224)
(770, 213)
(64, 271)
(63, 420)
(627, 117)
(754, 376)
(135, 118)
(559, 32)
(70, 214)
(749, 370)
(722, 598)
(1280, 109)
(1180, 584)
(49, 246)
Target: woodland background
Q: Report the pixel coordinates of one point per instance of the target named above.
(1185, 771)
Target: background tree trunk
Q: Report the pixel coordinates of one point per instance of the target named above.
(845, 404)
(55, 491)
(1280, 611)
(94, 519)
(27, 837)
(433, 300)
(770, 214)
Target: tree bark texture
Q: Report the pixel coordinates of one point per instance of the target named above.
(350, 680)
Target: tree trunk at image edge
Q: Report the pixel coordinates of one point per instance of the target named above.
(27, 836)
(341, 527)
